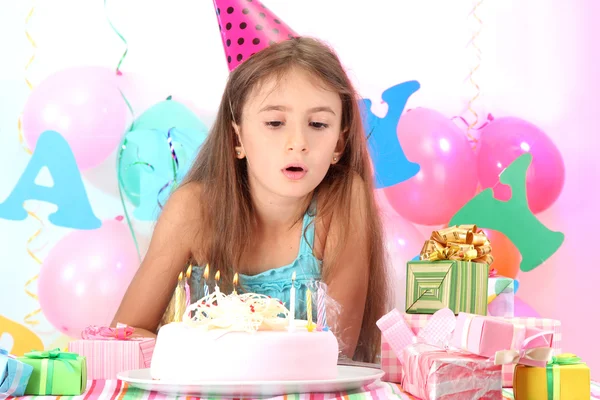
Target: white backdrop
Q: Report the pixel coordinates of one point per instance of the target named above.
(536, 63)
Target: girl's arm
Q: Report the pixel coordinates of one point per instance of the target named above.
(348, 279)
(151, 289)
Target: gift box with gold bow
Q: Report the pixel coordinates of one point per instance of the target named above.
(110, 351)
(55, 373)
(566, 377)
(452, 272)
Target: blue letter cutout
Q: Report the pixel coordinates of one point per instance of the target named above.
(391, 165)
(68, 193)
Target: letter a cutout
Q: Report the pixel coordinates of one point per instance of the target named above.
(67, 193)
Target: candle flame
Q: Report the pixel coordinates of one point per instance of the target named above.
(235, 279)
(206, 272)
(180, 276)
(294, 276)
(218, 276)
(188, 273)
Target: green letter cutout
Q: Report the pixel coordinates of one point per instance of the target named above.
(513, 217)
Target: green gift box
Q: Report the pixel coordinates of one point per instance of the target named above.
(56, 372)
(461, 286)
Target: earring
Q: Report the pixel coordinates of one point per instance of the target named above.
(238, 152)
(334, 158)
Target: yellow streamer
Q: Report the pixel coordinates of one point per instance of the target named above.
(30, 317)
(473, 44)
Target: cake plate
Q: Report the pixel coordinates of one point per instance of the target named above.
(349, 378)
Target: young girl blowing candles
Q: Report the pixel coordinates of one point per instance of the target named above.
(282, 184)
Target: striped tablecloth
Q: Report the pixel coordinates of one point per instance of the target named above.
(117, 390)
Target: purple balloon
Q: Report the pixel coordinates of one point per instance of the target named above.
(85, 275)
(85, 106)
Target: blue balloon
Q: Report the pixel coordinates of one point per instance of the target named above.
(68, 193)
(391, 165)
(417, 258)
(147, 170)
(168, 114)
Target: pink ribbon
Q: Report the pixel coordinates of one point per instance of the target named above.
(121, 332)
(525, 354)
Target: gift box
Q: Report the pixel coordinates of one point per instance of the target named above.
(545, 324)
(110, 351)
(396, 334)
(501, 296)
(14, 375)
(565, 378)
(461, 286)
(452, 272)
(433, 373)
(505, 341)
(55, 373)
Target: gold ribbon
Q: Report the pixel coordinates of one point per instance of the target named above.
(463, 242)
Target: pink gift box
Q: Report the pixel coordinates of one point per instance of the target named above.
(393, 369)
(485, 336)
(544, 324)
(106, 358)
(432, 373)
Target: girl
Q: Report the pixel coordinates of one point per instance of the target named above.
(283, 183)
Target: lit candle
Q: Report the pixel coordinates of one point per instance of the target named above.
(206, 274)
(321, 310)
(291, 316)
(178, 299)
(309, 317)
(235, 282)
(188, 274)
(217, 279)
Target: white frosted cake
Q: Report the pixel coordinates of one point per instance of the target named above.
(242, 338)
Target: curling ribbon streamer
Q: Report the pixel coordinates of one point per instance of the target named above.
(124, 143)
(29, 318)
(175, 163)
(473, 44)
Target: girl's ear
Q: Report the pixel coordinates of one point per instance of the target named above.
(239, 149)
(339, 148)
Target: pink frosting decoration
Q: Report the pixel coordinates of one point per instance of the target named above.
(121, 332)
(247, 27)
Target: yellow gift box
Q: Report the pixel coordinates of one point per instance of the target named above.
(566, 377)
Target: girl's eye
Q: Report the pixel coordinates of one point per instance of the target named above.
(319, 125)
(274, 124)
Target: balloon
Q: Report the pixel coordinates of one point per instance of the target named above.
(402, 242)
(85, 276)
(505, 139)
(523, 309)
(507, 257)
(85, 106)
(146, 167)
(447, 179)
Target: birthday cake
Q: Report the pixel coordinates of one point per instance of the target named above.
(247, 337)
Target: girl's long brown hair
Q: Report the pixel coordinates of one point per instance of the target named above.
(228, 217)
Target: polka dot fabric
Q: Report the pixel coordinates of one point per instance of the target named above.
(247, 27)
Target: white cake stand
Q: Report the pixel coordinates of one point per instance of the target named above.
(350, 377)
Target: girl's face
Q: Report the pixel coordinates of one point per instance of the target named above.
(290, 135)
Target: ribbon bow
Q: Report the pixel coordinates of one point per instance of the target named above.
(553, 373)
(464, 242)
(54, 354)
(398, 334)
(538, 354)
(121, 332)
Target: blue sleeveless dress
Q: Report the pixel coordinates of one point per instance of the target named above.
(277, 282)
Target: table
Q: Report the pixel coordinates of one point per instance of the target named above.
(117, 390)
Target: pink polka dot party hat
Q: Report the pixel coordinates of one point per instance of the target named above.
(247, 27)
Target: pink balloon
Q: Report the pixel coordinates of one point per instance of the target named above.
(85, 275)
(447, 179)
(505, 139)
(85, 106)
(403, 242)
(523, 309)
